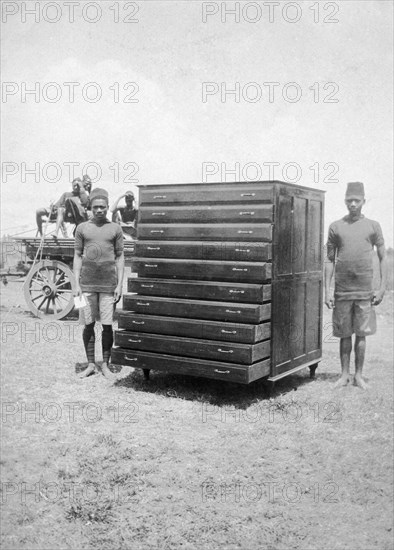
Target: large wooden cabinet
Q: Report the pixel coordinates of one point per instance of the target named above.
(229, 281)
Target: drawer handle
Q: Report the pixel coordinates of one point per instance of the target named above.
(150, 265)
(248, 194)
(134, 341)
(147, 286)
(157, 231)
(242, 250)
(138, 322)
(222, 371)
(240, 269)
(153, 247)
(159, 196)
(246, 213)
(237, 292)
(248, 232)
(225, 351)
(131, 358)
(237, 311)
(224, 331)
(158, 213)
(143, 304)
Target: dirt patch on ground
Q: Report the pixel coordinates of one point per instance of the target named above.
(189, 463)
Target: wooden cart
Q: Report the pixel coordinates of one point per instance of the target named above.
(50, 283)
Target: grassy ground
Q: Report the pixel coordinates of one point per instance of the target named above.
(185, 463)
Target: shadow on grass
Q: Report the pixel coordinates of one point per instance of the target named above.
(215, 392)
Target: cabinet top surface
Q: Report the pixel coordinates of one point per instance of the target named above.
(273, 183)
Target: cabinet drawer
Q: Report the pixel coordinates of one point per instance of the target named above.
(228, 292)
(195, 328)
(248, 272)
(197, 309)
(200, 250)
(237, 232)
(193, 347)
(206, 214)
(190, 366)
(206, 193)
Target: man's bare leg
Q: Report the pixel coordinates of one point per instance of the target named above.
(106, 372)
(89, 339)
(59, 221)
(359, 352)
(107, 339)
(345, 348)
(40, 214)
(90, 369)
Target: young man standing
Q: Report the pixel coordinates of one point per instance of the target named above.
(98, 269)
(350, 245)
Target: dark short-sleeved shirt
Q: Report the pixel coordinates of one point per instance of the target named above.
(100, 245)
(83, 198)
(61, 203)
(350, 245)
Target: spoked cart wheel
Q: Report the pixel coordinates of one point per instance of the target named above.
(49, 289)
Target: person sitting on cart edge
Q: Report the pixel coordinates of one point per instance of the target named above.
(87, 185)
(125, 216)
(71, 207)
(350, 245)
(98, 269)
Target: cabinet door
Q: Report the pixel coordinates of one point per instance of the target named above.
(191, 366)
(195, 328)
(247, 272)
(205, 290)
(197, 309)
(203, 250)
(206, 214)
(238, 232)
(193, 347)
(239, 193)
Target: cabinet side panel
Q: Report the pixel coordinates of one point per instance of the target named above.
(299, 262)
(297, 319)
(315, 247)
(297, 278)
(283, 236)
(314, 315)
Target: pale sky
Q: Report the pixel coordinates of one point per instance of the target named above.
(171, 134)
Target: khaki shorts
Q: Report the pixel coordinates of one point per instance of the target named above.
(100, 308)
(353, 316)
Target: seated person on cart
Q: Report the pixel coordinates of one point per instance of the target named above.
(87, 185)
(71, 207)
(50, 214)
(126, 216)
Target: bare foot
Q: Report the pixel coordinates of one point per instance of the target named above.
(343, 381)
(90, 369)
(106, 372)
(360, 382)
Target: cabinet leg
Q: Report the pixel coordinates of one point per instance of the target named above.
(146, 373)
(269, 387)
(312, 370)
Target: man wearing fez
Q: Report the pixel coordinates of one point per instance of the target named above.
(98, 269)
(350, 246)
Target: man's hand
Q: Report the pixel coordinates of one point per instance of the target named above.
(329, 301)
(78, 290)
(377, 297)
(117, 294)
